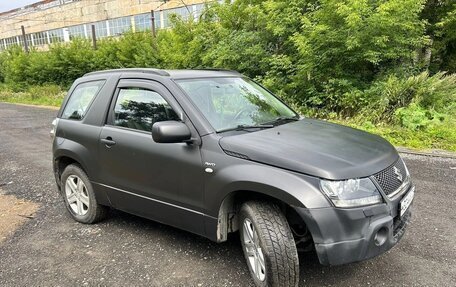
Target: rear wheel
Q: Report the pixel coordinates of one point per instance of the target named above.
(79, 197)
(268, 245)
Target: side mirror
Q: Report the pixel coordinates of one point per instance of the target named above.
(171, 132)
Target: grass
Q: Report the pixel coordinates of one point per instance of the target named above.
(46, 95)
(442, 136)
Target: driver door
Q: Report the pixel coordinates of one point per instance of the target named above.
(163, 182)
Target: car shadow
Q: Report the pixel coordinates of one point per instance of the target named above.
(312, 273)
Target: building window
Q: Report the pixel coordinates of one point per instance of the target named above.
(119, 26)
(101, 29)
(56, 36)
(143, 22)
(77, 32)
(18, 40)
(198, 10)
(11, 41)
(40, 38)
(183, 12)
(28, 38)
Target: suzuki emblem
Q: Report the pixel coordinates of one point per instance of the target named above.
(398, 173)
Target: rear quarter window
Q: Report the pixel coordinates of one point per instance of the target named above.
(80, 100)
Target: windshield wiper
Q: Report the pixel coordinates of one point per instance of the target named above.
(246, 127)
(282, 120)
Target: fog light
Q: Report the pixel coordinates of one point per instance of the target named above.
(381, 236)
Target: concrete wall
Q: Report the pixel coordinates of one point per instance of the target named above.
(79, 12)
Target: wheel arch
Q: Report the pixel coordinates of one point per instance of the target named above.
(237, 183)
(228, 220)
(64, 158)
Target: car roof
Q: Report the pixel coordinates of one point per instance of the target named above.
(174, 74)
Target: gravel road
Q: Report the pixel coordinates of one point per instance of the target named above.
(53, 250)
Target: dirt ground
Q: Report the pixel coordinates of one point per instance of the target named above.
(13, 213)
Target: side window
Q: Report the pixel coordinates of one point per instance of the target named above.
(139, 109)
(80, 100)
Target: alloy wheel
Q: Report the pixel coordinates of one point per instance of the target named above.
(253, 250)
(77, 195)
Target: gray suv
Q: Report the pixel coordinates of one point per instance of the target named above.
(212, 152)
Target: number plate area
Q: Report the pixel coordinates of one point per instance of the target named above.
(406, 201)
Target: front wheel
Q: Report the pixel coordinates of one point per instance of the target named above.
(268, 245)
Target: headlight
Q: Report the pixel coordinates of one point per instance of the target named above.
(351, 192)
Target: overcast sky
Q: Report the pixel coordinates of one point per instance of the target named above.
(6, 5)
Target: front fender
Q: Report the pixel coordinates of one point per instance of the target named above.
(254, 179)
(292, 188)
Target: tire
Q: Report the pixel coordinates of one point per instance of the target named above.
(274, 238)
(79, 197)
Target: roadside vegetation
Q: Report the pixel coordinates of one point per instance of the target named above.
(43, 95)
(384, 66)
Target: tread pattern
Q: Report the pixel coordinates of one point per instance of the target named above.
(282, 257)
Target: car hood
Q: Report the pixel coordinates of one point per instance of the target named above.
(316, 148)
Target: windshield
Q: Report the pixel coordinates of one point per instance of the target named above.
(228, 103)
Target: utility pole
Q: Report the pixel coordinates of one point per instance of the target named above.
(94, 38)
(153, 23)
(24, 39)
(153, 16)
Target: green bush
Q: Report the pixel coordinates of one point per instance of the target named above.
(415, 117)
(65, 62)
(382, 100)
(3, 59)
(131, 50)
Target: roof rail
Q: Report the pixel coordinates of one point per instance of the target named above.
(137, 70)
(219, 69)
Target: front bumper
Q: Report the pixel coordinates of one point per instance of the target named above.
(349, 235)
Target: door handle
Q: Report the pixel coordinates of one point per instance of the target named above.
(108, 142)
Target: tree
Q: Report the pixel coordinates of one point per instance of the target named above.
(440, 16)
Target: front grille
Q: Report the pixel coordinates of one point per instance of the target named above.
(388, 179)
